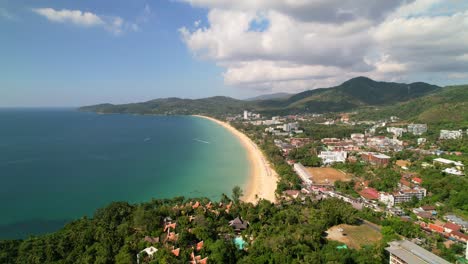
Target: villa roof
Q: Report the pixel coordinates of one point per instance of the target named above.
(238, 224)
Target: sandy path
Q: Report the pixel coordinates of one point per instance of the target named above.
(263, 178)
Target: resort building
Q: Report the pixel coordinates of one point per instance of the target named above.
(375, 158)
(403, 196)
(417, 129)
(453, 171)
(290, 127)
(149, 251)
(397, 131)
(447, 162)
(330, 157)
(451, 134)
(303, 174)
(238, 224)
(403, 251)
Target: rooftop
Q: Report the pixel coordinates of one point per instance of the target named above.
(412, 253)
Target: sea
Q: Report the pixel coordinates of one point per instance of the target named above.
(57, 165)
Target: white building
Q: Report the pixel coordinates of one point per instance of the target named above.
(421, 141)
(329, 157)
(446, 162)
(246, 115)
(149, 251)
(404, 196)
(387, 198)
(417, 129)
(290, 127)
(451, 134)
(453, 171)
(397, 131)
(303, 174)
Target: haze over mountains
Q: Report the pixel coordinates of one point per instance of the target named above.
(359, 93)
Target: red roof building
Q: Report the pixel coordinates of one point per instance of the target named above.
(436, 228)
(370, 193)
(450, 227)
(459, 236)
(376, 158)
(417, 180)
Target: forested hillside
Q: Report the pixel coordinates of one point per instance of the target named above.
(284, 233)
(352, 94)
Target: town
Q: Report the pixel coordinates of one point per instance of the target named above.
(394, 170)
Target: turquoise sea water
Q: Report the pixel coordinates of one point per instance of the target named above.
(60, 164)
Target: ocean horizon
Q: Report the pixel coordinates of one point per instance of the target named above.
(59, 164)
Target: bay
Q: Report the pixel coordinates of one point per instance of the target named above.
(60, 164)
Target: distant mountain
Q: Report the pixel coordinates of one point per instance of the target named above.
(269, 97)
(217, 105)
(353, 94)
(445, 105)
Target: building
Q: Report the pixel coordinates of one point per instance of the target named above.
(417, 129)
(149, 251)
(369, 193)
(421, 141)
(290, 127)
(358, 138)
(376, 158)
(453, 171)
(299, 142)
(451, 134)
(329, 157)
(403, 196)
(387, 198)
(451, 227)
(238, 224)
(447, 163)
(246, 115)
(303, 174)
(397, 131)
(404, 251)
(458, 221)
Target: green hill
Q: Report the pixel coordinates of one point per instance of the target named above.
(446, 105)
(352, 94)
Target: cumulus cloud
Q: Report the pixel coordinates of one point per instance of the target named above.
(113, 24)
(305, 44)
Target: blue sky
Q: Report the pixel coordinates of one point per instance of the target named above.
(60, 64)
(73, 53)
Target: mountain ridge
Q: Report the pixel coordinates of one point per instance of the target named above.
(352, 94)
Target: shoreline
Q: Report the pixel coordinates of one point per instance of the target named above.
(263, 179)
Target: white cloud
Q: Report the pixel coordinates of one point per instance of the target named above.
(76, 17)
(298, 48)
(113, 24)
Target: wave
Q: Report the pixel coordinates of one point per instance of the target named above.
(201, 141)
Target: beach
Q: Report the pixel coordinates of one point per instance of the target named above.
(263, 178)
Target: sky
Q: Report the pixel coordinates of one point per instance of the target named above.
(74, 53)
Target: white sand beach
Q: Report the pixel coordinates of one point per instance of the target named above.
(263, 178)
